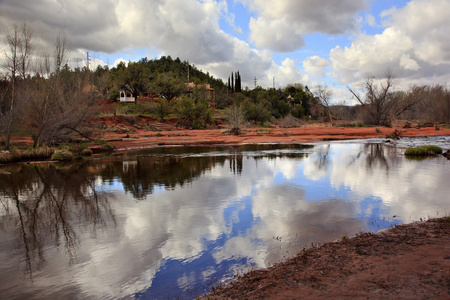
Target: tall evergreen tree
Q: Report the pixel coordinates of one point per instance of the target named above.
(232, 82)
(238, 87)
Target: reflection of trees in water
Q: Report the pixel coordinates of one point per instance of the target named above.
(323, 162)
(236, 164)
(45, 204)
(141, 176)
(377, 155)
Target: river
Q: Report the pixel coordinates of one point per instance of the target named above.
(173, 222)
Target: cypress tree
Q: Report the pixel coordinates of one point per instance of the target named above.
(232, 82)
(238, 82)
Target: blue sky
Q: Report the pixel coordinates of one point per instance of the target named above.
(335, 43)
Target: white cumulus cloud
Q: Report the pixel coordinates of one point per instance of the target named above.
(280, 25)
(414, 45)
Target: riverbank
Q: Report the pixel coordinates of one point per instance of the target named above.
(138, 132)
(405, 262)
(129, 134)
(143, 132)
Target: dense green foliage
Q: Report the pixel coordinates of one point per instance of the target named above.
(166, 77)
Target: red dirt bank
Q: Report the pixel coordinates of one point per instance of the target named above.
(145, 132)
(406, 262)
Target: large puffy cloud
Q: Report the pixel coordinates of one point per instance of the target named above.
(426, 22)
(180, 28)
(287, 73)
(414, 46)
(315, 65)
(188, 29)
(280, 25)
(371, 54)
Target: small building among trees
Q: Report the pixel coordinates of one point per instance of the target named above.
(208, 92)
(126, 96)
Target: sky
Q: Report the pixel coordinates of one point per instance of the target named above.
(313, 42)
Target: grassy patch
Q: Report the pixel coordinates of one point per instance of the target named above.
(63, 155)
(423, 151)
(107, 147)
(264, 131)
(33, 154)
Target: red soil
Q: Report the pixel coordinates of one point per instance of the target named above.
(146, 132)
(407, 262)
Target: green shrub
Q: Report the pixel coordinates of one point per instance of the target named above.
(298, 111)
(161, 110)
(86, 152)
(193, 112)
(62, 155)
(429, 150)
(257, 112)
(107, 147)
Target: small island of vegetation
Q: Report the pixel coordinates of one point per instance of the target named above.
(423, 151)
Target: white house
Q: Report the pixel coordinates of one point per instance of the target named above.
(126, 96)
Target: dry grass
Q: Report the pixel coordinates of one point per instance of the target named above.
(41, 153)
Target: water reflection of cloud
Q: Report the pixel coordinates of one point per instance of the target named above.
(184, 218)
(176, 223)
(286, 216)
(411, 189)
(258, 213)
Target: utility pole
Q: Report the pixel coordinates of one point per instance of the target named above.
(273, 82)
(255, 82)
(88, 58)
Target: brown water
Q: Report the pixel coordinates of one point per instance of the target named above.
(173, 222)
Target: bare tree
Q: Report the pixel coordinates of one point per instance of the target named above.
(235, 117)
(376, 100)
(25, 49)
(433, 103)
(12, 64)
(324, 94)
(58, 108)
(44, 65)
(60, 50)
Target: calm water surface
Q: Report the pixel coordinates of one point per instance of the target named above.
(172, 222)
